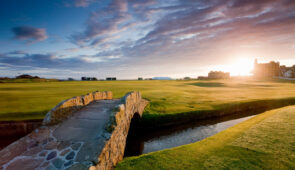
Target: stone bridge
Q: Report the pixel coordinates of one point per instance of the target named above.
(84, 132)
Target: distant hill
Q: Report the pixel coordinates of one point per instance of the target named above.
(25, 78)
(162, 78)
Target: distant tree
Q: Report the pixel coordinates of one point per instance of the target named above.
(4, 78)
(186, 78)
(83, 78)
(140, 78)
(70, 79)
(94, 79)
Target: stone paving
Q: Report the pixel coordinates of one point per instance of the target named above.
(73, 144)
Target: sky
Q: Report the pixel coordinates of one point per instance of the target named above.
(143, 38)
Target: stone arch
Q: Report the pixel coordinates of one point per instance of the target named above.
(134, 146)
(135, 120)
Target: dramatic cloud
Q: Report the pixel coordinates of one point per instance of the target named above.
(103, 22)
(154, 36)
(174, 23)
(30, 34)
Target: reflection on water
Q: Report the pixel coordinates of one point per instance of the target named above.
(181, 135)
(187, 136)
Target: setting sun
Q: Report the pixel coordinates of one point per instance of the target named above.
(240, 67)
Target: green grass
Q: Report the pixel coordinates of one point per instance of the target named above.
(20, 101)
(266, 141)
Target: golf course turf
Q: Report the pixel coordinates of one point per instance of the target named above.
(22, 101)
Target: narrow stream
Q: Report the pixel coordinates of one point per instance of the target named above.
(138, 144)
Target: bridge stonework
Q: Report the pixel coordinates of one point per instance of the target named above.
(84, 132)
(113, 151)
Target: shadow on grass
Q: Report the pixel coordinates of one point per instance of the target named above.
(208, 84)
(253, 85)
(284, 81)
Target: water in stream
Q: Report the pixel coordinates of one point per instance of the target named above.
(138, 144)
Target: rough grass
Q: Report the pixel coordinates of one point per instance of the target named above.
(33, 100)
(266, 141)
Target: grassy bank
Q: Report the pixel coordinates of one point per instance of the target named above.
(21, 101)
(152, 122)
(266, 141)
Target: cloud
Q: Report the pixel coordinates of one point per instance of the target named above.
(215, 20)
(30, 34)
(83, 3)
(53, 65)
(56, 61)
(78, 3)
(17, 52)
(102, 22)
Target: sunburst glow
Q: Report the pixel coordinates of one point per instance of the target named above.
(242, 67)
(239, 67)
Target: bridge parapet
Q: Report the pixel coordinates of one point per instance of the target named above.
(67, 107)
(118, 128)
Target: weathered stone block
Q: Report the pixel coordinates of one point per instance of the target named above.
(87, 99)
(109, 95)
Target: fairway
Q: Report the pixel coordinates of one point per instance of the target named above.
(266, 141)
(21, 101)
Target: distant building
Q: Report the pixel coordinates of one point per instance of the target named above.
(273, 69)
(218, 75)
(287, 72)
(267, 70)
(88, 78)
(111, 78)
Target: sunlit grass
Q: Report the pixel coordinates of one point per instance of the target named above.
(33, 100)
